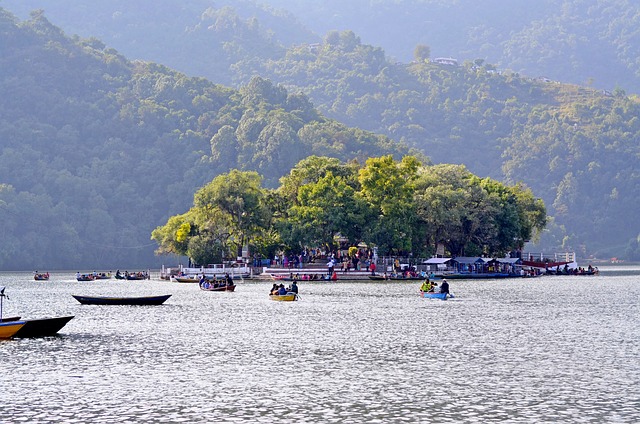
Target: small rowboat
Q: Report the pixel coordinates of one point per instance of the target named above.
(289, 297)
(8, 329)
(433, 295)
(186, 280)
(98, 300)
(137, 277)
(42, 327)
(41, 277)
(378, 277)
(210, 287)
(88, 277)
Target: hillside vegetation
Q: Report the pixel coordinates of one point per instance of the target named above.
(96, 150)
(575, 41)
(574, 146)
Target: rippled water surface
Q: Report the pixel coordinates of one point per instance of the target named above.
(550, 349)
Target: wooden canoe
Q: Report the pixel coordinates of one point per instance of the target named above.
(100, 300)
(42, 327)
(186, 280)
(219, 289)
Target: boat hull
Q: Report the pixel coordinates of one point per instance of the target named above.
(140, 301)
(378, 278)
(432, 295)
(219, 289)
(8, 329)
(186, 280)
(42, 327)
(289, 297)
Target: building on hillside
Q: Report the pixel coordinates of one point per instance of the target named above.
(446, 61)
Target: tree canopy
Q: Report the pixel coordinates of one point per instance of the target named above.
(399, 207)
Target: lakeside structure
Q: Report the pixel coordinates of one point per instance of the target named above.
(525, 264)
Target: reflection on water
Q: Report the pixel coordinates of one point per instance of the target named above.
(534, 350)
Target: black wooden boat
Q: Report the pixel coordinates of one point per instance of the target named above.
(101, 300)
(8, 319)
(42, 327)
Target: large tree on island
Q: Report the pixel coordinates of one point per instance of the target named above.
(387, 186)
(226, 214)
(325, 202)
(474, 216)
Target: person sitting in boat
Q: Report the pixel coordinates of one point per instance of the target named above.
(426, 286)
(274, 289)
(281, 290)
(444, 287)
(294, 287)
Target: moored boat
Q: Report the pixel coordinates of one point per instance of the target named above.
(288, 297)
(177, 279)
(549, 261)
(104, 300)
(42, 327)
(9, 329)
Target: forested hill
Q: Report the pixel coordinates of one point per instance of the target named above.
(97, 151)
(577, 41)
(576, 147)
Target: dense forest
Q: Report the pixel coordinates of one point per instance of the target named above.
(98, 150)
(585, 42)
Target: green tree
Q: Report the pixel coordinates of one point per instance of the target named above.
(237, 197)
(422, 53)
(388, 187)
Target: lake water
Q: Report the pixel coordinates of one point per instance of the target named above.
(550, 349)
